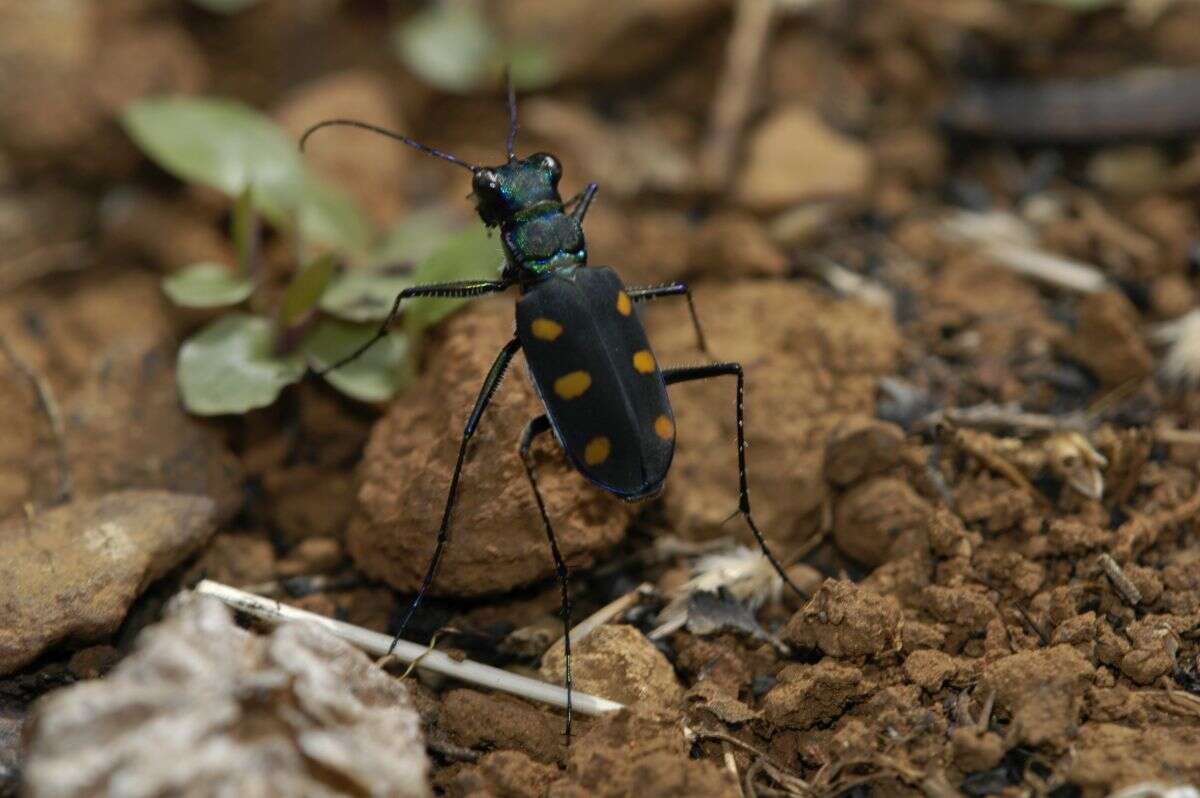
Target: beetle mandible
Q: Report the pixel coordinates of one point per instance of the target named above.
(591, 364)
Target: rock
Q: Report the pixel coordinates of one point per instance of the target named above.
(861, 446)
(870, 517)
(810, 362)
(204, 706)
(639, 752)
(497, 537)
(810, 694)
(1108, 340)
(1060, 667)
(369, 166)
(794, 157)
(617, 662)
(70, 574)
(846, 620)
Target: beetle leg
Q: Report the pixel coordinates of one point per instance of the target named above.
(536, 427)
(672, 376)
(486, 392)
(584, 198)
(457, 290)
(673, 289)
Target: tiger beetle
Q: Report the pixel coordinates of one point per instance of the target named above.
(590, 362)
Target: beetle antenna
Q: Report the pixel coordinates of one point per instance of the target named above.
(512, 114)
(445, 156)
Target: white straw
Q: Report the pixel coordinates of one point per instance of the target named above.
(274, 612)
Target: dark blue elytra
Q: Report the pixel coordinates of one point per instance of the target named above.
(605, 396)
(579, 331)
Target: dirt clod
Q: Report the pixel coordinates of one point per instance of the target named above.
(930, 669)
(860, 447)
(809, 361)
(617, 662)
(497, 537)
(639, 752)
(871, 517)
(1107, 341)
(810, 694)
(1061, 669)
(501, 721)
(846, 620)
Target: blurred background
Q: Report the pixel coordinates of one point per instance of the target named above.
(954, 243)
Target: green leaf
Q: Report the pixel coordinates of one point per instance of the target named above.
(367, 294)
(244, 230)
(304, 292)
(224, 6)
(472, 254)
(327, 215)
(416, 237)
(231, 367)
(449, 45)
(229, 146)
(207, 285)
(375, 376)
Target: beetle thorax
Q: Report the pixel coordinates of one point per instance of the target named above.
(521, 198)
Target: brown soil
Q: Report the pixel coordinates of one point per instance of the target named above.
(979, 620)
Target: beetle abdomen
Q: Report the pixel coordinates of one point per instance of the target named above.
(593, 367)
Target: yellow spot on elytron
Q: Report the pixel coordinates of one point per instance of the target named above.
(624, 306)
(546, 329)
(573, 384)
(664, 428)
(597, 450)
(643, 361)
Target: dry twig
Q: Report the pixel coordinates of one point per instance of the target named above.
(1120, 581)
(274, 612)
(747, 44)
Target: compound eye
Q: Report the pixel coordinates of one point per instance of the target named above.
(486, 181)
(548, 162)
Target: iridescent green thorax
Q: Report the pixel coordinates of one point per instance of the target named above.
(521, 198)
